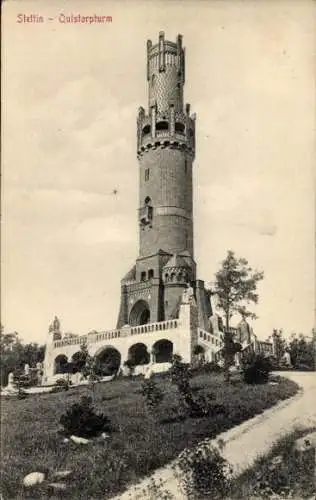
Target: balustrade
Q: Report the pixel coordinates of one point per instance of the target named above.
(209, 338)
(115, 334)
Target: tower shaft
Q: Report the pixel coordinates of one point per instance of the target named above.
(153, 288)
(165, 150)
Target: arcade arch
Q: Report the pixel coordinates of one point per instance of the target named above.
(163, 351)
(108, 361)
(139, 354)
(61, 364)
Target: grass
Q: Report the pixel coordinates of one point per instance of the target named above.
(142, 443)
(283, 473)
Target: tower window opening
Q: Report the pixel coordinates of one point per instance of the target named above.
(146, 130)
(186, 238)
(163, 125)
(179, 127)
(147, 174)
(143, 276)
(150, 274)
(146, 212)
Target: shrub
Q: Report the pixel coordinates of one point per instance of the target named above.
(22, 394)
(180, 374)
(304, 367)
(212, 367)
(81, 420)
(63, 384)
(209, 367)
(256, 369)
(26, 381)
(152, 393)
(155, 489)
(204, 472)
(198, 405)
(173, 414)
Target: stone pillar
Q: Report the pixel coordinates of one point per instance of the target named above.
(172, 120)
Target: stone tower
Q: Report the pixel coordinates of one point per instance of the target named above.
(152, 290)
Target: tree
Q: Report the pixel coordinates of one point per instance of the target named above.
(302, 352)
(199, 351)
(89, 369)
(280, 344)
(235, 287)
(14, 354)
(79, 359)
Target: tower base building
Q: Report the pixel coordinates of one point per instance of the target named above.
(164, 309)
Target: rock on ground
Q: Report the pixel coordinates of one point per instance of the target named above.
(33, 478)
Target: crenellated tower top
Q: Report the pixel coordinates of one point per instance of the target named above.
(167, 121)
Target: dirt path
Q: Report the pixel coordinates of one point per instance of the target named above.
(254, 437)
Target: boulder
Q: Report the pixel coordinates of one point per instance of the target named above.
(33, 478)
(306, 443)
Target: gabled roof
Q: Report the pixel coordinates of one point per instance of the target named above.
(179, 260)
(131, 275)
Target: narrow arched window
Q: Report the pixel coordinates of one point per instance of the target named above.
(163, 125)
(179, 127)
(146, 129)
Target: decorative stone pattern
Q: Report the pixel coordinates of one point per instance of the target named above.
(165, 73)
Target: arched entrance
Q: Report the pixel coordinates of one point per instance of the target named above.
(163, 351)
(108, 361)
(61, 364)
(138, 354)
(77, 362)
(140, 314)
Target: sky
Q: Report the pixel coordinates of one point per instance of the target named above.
(70, 99)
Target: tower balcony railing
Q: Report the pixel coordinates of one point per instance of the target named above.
(145, 214)
(163, 136)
